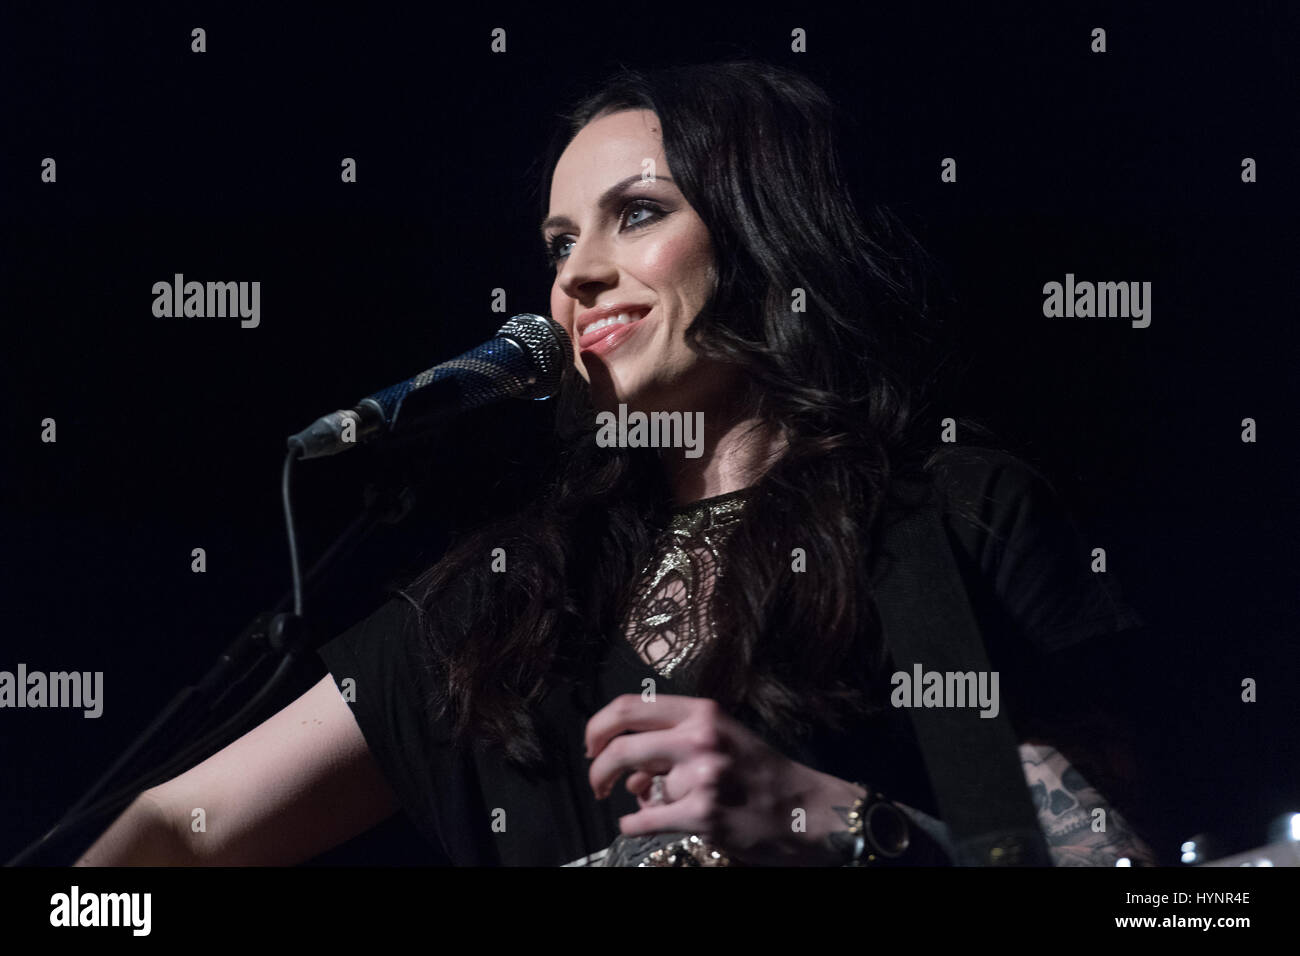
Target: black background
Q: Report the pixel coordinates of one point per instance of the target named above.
(225, 166)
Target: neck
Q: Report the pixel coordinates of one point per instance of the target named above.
(735, 454)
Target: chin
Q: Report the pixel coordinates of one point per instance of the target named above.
(609, 391)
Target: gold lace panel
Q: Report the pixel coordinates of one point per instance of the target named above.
(668, 619)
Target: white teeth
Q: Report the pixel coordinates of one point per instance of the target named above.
(623, 318)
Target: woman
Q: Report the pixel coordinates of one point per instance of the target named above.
(696, 622)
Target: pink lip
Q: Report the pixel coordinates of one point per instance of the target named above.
(606, 339)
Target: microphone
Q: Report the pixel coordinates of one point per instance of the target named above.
(523, 360)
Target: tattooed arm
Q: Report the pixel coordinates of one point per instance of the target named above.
(1081, 827)
(1063, 759)
(1064, 798)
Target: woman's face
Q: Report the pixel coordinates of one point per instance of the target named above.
(626, 243)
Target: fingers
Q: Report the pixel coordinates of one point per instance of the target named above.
(651, 752)
(629, 712)
(688, 741)
(638, 784)
(672, 728)
(690, 814)
(651, 789)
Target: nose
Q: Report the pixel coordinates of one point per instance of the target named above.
(587, 269)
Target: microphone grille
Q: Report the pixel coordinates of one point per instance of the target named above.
(547, 345)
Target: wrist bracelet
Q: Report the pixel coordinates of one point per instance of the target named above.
(881, 831)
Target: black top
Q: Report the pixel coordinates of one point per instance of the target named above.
(1030, 585)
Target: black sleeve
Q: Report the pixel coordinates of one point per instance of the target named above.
(376, 667)
(1054, 627)
(1016, 537)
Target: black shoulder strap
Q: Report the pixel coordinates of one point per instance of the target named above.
(972, 761)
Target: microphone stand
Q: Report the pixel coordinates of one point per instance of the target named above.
(404, 413)
(278, 633)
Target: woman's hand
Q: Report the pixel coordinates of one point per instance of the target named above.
(721, 782)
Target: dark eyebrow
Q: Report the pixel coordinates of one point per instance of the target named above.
(607, 199)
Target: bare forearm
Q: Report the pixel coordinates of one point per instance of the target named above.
(141, 836)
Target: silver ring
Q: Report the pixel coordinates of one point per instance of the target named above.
(657, 789)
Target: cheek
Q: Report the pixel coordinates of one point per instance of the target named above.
(679, 269)
(562, 310)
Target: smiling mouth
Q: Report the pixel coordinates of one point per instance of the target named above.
(606, 332)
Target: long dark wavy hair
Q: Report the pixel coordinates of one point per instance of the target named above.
(753, 149)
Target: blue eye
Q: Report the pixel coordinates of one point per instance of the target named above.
(639, 205)
(552, 249)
